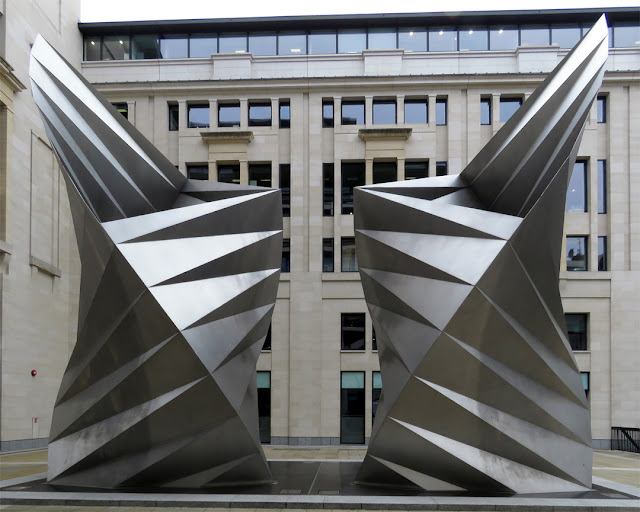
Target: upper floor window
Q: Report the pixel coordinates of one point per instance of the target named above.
(322, 43)
(534, 35)
(229, 173)
(577, 330)
(198, 116)
(232, 43)
(327, 190)
(123, 108)
(412, 40)
(285, 114)
(327, 254)
(327, 113)
(443, 39)
(115, 48)
(353, 112)
(352, 41)
(259, 114)
(353, 175)
(416, 170)
(262, 44)
(577, 191)
(577, 253)
(174, 47)
(92, 48)
(473, 38)
(416, 111)
(384, 172)
(286, 255)
(285, 188)
(384, 112)
(485, 111)
(202, 45)
(348, 258)
(566, 36)
(508, 107)
(145, 46)
(602, 253)
(198, 171)
(228, 115)
(260, 175)
(626, 35)
(352, 331)
(441, 168)
(503, 38)
(602, 109)
(174, 118)
(441, 111)
(292, 44)
(602, 186)
(381, 39)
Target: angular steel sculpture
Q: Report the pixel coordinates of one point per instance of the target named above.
(460, 273)
(179, 280)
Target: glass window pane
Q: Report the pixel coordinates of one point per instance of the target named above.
(198, 172)
(626, 36)
(327, 254)
(228, 115)
(115, 48)
(286, 255)
(577, 253)
(485, 111)
(602, 109)
(174, 118)
(352, 41)
(349, 263)
(352, 380)
(374, 341)
(174, 47)
(441, 168)
(352, 408)
(322, 43)
(232, 44)
(285, 188)
(384, 112)
(566, 37)
(260, 175)
(262, 44)
(602, 186)
(122, 108)
(443, 40)
(577, 330)
(384, 172)
(264, 405)
(416, 170)
(412, 40)
(145, 47)
(264, 380)
(585, 380)
(327, 113)
(415, 111)
(602, 253)
(473, 38)
(202, 46)
(377, 380)
(381, 39)
(198, 116)
(267, 341)
(285, 114)
(503, 38)
(534, 35)
(508, 107)
(292, 44)
(353, 112)
(577, 191)
(327, 190)
(352, 335)
(229, 173)
(353, 175)
(92, 48)
(441, 112)
(259, 114)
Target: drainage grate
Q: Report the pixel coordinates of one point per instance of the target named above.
(329, 493)
(290, 491)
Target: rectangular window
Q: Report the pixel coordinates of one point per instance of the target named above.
(384, 112)
(292, 44)
(322, 43)
(602, 253)
(565, 36)
(198, 172)
(348, 260)
(374, 340)
(384, 172)
(262, 44)
(577, 253)
(352, 407)
(381, 39)
(174, 47)
(485, 111)
(260, 175)
(264, 406)
(198, 116)
(412, 40)
(285, 187)
(267, 341)
(352, 41)
(376, 391)
(145, 47)
(416, 170)
(352, 331)
(602, 186)
(229, 173)
(441, 168)
(286, 255)
(233, 43)
(503, 38)
(174, 118)
(92, 48)
(327, 113)
(416, 111)
(353, 175)
(473, 38)
(327, 254)
(508, 107)
(115, 48)
(586, 382)
(123, 108)
(577, 191)
(202, 45)
(353, 112)
(534, 35)
(626, 35)
(285, 114)
(327, 190)
(577, 330)
(443, 39)
(441, 111)
(260, 114)
(602, 109)
(228, 115)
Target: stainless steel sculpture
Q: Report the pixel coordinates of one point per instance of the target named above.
(460, 273)
(179, 280)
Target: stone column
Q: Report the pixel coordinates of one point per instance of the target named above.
(213, 115)
(400, 168)
(368, 171)
(244, 172)
(244, 115)
(400, 109)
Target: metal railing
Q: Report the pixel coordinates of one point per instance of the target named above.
(625, 439)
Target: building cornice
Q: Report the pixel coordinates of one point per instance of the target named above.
(8, 77)
(227, 136)
(370, 134)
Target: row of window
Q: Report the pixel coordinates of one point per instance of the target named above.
(417, 39)
(229, 115)
(578, 253)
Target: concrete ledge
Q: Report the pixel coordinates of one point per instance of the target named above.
(45, 267)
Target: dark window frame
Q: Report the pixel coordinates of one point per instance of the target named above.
(328, 190)
(260, 122)
(193, 167)
(442, 101)
(385, 102)
(192, 106)
(328, 122)
(353, 103)
(586, 254)
(284, 181)
(343, 267)
(579, 340)
(345, 319)
(285, 266)
(328, 247)
(284, 122)
(348, 397)
(486, 100)
(174, 122)
(229, 124)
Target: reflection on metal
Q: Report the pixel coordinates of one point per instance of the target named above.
(178, 284)
(460, 273)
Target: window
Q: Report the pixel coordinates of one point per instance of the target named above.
(412, 40)
(262, 44)
(384, 112)
(202, 45)
(441, 168)
(92, 48)
(602, 109)
(352, 407)
(198, 116)
(602, 186)
(145, 47)
(416, 170)
(381, 39)
(577, 191)
(229, 173)
(473, 38)
(586, 382)
(374, 340)
(352, 331)
(228, 115)
(267, 341)
(286, 255)
(443, 40)
(123, 108)
(322, 43)
(376, 391)
(174, 47)
(353, 175)
(285, 114)
(292, 44)
(416, 111)
(174, 118)
(115, 48)
(602, 253)
(260, 114)
(577, 253)
(327, 254)
(236, 43)
(485, 111)
(264, 406)
(534, 35)
(352, 41)
(353, 112)
(349, 262)
(285, 187)
(384, 172)
(327, 113)
(327, 190)
(441, 111)
(508, 107)
(260, 175)
(503, 38)
(626, 35)
(198, 171)
(565, 36)
(577, 330)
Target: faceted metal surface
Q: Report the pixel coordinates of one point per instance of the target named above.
(480, 388)
(179, 281)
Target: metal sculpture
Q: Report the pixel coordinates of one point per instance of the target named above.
(179, 280)
(460, 274)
